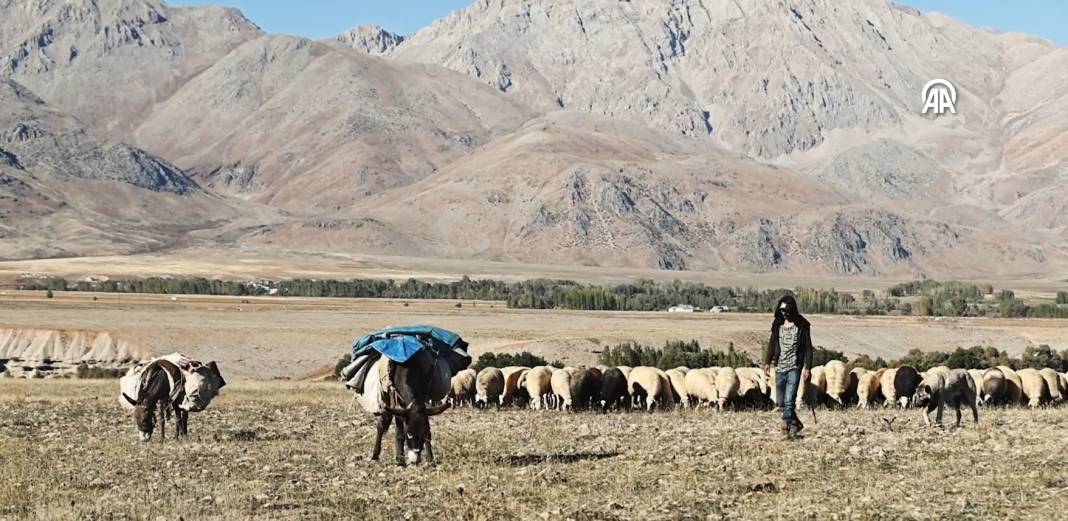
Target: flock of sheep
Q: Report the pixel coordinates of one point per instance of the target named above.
(833, 384)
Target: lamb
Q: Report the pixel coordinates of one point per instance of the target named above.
(560, 381)
(513, 392)
(538, 383)
(647, 387)
(727, 386)
(994, 387)
(1034, 387)
(813, 392)
(837, 380)
(886, 384)
(869, 388)
(462, 387)
(906, 379)
(701, 388)
(1053, 383)
(489, 386)
(614, 390)
(938, 388)
(1013, 386)
(677, 378)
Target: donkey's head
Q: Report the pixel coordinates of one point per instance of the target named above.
(416, 427)
(144, 416)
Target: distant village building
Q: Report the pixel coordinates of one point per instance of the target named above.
(720, 309)
(683, 308)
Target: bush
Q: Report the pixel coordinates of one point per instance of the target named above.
(866, 362)
(98, 373)
(49, 294)
(524, 359)
(675, 353)
(1062, 297)
(821, 356)
(345, 360)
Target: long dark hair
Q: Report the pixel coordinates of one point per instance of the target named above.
(790, 312)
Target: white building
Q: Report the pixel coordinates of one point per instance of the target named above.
(682, 308)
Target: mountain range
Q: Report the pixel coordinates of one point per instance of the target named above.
(757, 136)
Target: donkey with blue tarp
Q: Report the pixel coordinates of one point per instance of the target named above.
(400, 373)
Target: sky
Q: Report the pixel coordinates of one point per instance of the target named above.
(326, 18)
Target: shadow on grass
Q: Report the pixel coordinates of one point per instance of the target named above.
(523, 460)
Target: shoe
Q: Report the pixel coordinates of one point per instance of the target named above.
(785, 426)
(798, 426)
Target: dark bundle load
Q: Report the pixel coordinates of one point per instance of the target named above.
(401, 344)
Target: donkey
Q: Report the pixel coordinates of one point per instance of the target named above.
(162, 387)
(406, 394)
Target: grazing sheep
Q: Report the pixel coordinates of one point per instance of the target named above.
(994, 386)
(625, 370)
(837, 381)
(1013, 386)
(727, 386)
(814, 391)
(1034, 387)
(462, 387)
(886, 385)
(939, 369)
(614, 390)
(538, 383)
(585, 387)
(646, 387)
(757, 375)
(667, 392)
(489, 386)
(938, 388)
(677, 378)
(683, 368)
(701, 388)
(977, 377)
(906, 379)
(869, 388)
(561, 386)
(852, 396)
(513, 392)
(750, 393)
(1053, 383)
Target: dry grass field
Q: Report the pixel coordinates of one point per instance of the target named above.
(293, 337)
(287, 450)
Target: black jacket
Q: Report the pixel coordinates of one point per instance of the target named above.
(804, 344)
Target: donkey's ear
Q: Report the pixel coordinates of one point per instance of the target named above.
(130, 400)
(215, 369)
(437, 409)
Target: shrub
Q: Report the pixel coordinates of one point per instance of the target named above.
(345, 360)
(524, 359)
(98, 373)
(675, 353)
(820, 356)
(49, 294)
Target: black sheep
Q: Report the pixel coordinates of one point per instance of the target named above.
(905, 382)
(614, 390)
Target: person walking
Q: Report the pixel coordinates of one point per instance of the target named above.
(790, 351)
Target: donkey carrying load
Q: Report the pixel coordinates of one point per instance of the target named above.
(404, 374)
(173, 382)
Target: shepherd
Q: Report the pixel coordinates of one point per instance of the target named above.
(790, 351)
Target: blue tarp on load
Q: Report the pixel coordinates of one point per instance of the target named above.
(399, 348)
(441, 342)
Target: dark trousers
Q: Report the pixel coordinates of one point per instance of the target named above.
(786, 383)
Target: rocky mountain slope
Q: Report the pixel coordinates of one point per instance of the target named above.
(681, 134)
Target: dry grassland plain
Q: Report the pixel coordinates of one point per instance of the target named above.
(298, 450)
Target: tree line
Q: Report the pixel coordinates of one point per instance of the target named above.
(919, 298)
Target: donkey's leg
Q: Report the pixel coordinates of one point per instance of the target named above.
(427, 444)
(383, 425)
(162, 421)
(398, 441)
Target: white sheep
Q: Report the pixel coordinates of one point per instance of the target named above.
(462, 387)
(677, 378)
(489, 385)
(701, 388)
(1034, 387)
(1053, 383)
(869, 388)
(560, 382)
(646, 387)
(539, 386)
(837, 381)
(727, 386)
(886, 385)
(1013, 385)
